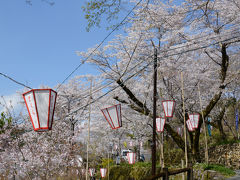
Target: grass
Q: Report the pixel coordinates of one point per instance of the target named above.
(219, 168)
(224, 142)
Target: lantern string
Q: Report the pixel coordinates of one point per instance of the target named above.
(136, 73)
(6, 76)
(99, 45)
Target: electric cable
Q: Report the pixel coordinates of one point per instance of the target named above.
(194, 49)
(98, 45)
(8, 77)
(195, 43)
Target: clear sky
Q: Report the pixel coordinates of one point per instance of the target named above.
(38, 42)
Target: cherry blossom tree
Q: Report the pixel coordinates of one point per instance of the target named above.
(198, 38)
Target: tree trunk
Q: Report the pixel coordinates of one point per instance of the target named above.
(219, 124)
(141, 108)
(214, 100)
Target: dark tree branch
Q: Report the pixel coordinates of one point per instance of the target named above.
(212, 58)
(142, 108)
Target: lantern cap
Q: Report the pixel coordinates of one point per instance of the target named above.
(39, 90)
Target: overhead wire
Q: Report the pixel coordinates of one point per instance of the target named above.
(104, 86)
(170, 49)
(116, 27)
(163, 51)
(99, 45)
(165, 56)
(95, 50)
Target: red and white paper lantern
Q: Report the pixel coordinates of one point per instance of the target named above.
(168, 107)
(91, 172)
(131, 157)
(103, 172)
(189, 125)
(41, 105)
(160, 122)
(83, 171)
(179, 131)
(131, 144)
(194, 118)
(113, 116)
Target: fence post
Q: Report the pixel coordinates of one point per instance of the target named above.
(166, 174)
(183, 174)
(190, 174)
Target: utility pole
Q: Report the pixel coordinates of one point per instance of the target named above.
(89, 118)
(184, 118)
(108, 170)
(204, 126)
(154, 112)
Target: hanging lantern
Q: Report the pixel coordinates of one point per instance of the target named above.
(91, 172)
(168, 107)
(131, 157)
(103, 172)
(83, 171)
(41, 105)
(141, 144)
(131, 144)
(115, 146)
(113, 116)
(189, 125)
(179, 131)
(160, 122)
(194, 118)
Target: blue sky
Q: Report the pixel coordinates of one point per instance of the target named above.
(38, 42)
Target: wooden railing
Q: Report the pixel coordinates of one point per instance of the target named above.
(165, 173)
